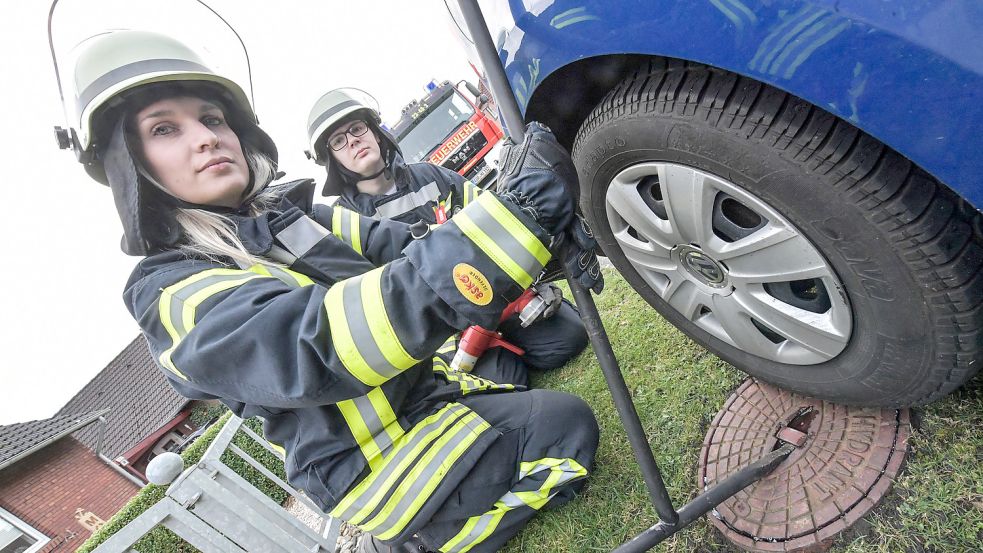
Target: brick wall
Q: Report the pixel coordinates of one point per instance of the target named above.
(46, 488)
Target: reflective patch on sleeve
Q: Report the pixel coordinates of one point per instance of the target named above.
(362, 334)
(178, 303)
(301, 235)
(287, 276)
(373, 423)
(501, 236)
(346, 225)
(477, 529)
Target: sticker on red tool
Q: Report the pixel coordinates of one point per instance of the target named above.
(472, 284)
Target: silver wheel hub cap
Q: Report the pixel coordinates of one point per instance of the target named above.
(729, 262)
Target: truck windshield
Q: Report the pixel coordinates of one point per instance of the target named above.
(437, 124)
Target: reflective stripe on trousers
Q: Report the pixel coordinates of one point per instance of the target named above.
(476, 529)
(386, 501)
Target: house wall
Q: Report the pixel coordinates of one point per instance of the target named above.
(46, 489)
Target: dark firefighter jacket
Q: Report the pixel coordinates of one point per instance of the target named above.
(420, 188)
(337, 351)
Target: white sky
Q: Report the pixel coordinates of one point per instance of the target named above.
(64, 319)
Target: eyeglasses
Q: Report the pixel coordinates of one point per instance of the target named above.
(340, 140)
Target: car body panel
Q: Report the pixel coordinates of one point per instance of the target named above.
(908, 72)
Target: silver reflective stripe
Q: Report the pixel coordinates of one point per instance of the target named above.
(277, 253)
(471, 539)
(449, 345)
(429, 193)
(185, 293)
(301, 235)
(463, 430)
(346, 227)
(358, 325)
(283, 276)
(373, 423)
(505, 240)
(418, 435)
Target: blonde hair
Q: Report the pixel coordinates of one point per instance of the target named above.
(213, 235)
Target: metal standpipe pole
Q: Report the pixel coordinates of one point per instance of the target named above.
(502, 92)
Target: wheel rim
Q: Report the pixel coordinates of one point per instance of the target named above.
(729, 263)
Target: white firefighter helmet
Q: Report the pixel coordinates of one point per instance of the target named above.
(332, 108)
(112, 63)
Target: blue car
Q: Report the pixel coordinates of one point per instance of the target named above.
(794, 184)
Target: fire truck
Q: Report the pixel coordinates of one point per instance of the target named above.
(448, 128)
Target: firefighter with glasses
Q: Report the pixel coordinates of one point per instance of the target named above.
(367, 172)
(321, 321)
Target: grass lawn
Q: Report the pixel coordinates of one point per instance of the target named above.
(678, 387)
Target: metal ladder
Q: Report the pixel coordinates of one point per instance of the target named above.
(216, 510)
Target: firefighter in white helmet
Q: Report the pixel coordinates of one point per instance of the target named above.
(323, 322)
(367, 172)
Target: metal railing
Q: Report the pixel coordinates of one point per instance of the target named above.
(216, 510)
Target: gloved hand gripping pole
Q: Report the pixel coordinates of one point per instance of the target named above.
(671, 521)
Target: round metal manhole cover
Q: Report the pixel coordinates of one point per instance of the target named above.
(847, 461)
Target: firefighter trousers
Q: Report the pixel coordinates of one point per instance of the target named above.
(551, 342)
(541, 460)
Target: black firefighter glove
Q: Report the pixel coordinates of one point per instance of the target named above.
(552, 296)
(581, 258)
(539, 177)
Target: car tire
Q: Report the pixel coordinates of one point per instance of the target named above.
(900, 252)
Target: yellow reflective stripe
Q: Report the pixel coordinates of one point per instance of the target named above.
(382, 525)
(361, 331)
(360, 431)
(178, 303)
(362, 500)
(515, 227)
(279, 449)
(472, 533)
(164, 313)
(287, 276)
(492, 250)
(449, 345)
(373, 423)
(336, 222)
(478, 528)
(500, 235)
(384, 410)
(356, 232)
(345, 225)
(341, 337)
(379, 323)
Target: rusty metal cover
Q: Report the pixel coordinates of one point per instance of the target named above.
(846, 464)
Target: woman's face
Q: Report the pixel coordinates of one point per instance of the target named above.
(361, 154)
(191, 150)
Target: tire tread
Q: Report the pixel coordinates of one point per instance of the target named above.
(936, 234)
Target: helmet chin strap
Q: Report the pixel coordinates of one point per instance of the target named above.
(388, 158)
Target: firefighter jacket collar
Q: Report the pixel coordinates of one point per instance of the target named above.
(419, 187)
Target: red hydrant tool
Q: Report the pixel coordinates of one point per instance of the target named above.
(476, 340)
